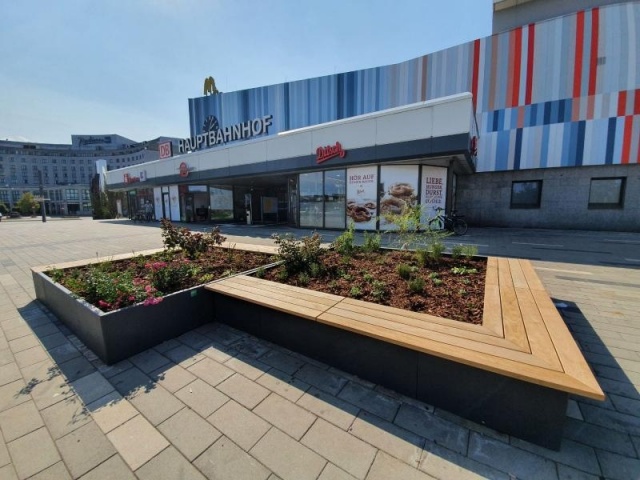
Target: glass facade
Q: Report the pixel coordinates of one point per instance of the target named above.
(334, 199)
(311, 199)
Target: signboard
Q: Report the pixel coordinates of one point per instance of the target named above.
(434, 191)
(398, 192)
(330, 151)
(165, 150)
(362, 186)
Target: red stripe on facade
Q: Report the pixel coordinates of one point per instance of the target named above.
(517, 60)
(622, 103)
(593, 61)
(530, 52)
(626, 139)
(577, 71)
(636, 103)
(510, 55)
(476, 71)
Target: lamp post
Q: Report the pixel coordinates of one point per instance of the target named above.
(44, 216)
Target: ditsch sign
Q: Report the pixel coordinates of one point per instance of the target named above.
(165, 150)
(220, 136)
(330, 151)
(128, 178)
(183, 169)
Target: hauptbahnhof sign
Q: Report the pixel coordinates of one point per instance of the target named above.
(220, 136)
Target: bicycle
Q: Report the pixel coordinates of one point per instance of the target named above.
(450, 222)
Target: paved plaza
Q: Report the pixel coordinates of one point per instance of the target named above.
(217, 403)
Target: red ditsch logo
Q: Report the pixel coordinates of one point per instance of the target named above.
(325, 153)
(183, 170)
(473, 146)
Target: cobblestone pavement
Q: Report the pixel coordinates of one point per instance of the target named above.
(217, 403)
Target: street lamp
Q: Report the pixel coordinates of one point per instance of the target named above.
(44, 216)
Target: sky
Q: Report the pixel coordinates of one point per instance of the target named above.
(129, 66)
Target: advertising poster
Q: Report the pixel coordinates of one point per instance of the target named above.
(362, 186)
(398, 192)
(221, 203)
(434, 191)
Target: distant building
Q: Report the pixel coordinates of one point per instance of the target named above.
(67, 169)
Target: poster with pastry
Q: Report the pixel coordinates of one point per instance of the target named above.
(361, 210)
(398, 191)
(434, 191)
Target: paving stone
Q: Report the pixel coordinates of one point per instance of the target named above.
(5, 458)
(573, 410)
(627, 405)
(247, 366)
(251, 347)
(218, 352)
(189, 433)
(166, 346)
(131, 382)
(20, 420)
(110, 371)
(8, 473)
(194, 340)
(156, 404)
(286, 457)
(609, 419)
(210, 371)
(283, 384)
(57, 471)
(184, 356)
(224, 459)
(65, 417)
(31, 356)
(509, 459)
(243, 390)
(465, 423)
(223, 334)
(112, 469)
(33, 453)
(390, 438)
(23, 343)
(47, 388)
(45, 330)
(282, 361)
(13, 394)
(137, 441)
(172, 377)
(331, 472)
(370, 400)
(598, 437)
(441, 462)
(332, 409)
(636, 442)
(111, 411)
(386, 467)
(169, 465)
(53, 341)
(9, 373)
(346, 451)
(617, 467)
(287, 416)
(92, 387)
(432, 427)
(76, 368)
(6, 356)
(624, 389)
(568, 473)
(239, 424)
(64, 353)
(19, 331)
(149, 360)
(84, 449)
(326, 381)
(571, 453)
(202, 397)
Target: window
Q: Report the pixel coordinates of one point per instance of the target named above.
(311, 199)
(607, 192)
(526, 194)
(71, 194)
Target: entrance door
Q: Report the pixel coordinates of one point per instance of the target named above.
(166, 212)
(293, 202)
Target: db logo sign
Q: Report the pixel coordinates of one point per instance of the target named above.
(165, 150)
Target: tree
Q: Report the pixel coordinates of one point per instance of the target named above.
(27, 204)
(3, 209)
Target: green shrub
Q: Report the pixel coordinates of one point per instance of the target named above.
(344, 244)
(260, 272)
(469, 251)
(315, 270)
(367, 277)
(433, 275)
(416, 285)
(436, 250)
(404, 271)
(298, 255)
(422, 257)
(303, 279)
(192, 243)
(372, 242)
(437, 282)
(378, 290)
(456, 251)
(463, 270)
(355, 292)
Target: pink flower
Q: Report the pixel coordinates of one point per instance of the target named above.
(103, 304)
(152, 301)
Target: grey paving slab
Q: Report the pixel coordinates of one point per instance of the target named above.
(247, 366)
(286, 415)
(184, 355)
(131, 382)
(440, 462)
(283, 384)
(331, 472)
(20, 420)
(385, 467)
(23, 343)
(65, 417)
(112, 469)
(321, 379)
(33, 453)
(172, 377)
(189, 433)
(156, 404)
(137, 441)
(368, 399)
(13, 394)
(210, 371)
(243, 390)
(618, 467)
(169, 465)
(224, 459)
(31, 356)
(339, 447)
(111, 411)
(568, 473)
(149, 360)
(287, 458)
(57, 471)
(282, 361)
(84, 449)
(332, 409)
(202, 397)
(9, 373)
(8, 472)
(242, 426)
(92, 387)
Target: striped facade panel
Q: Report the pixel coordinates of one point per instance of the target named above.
(562, 92)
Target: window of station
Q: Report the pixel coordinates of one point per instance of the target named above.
(311, 199)
(607, 192)
(334, 198)
(526, 194)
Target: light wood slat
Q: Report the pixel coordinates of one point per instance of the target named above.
(496, 364)
(396, 316)
(539, 339)
(533, 280)
(491, 277)
(249, 247)
(443, 341)
(320, 297)
(570, 356)
(513, 325)
(492, 312)
(517, 275)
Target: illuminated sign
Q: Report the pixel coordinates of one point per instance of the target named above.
(165, 150)
(220, 136)
(128, 178)
(330, 151)
(184, 169)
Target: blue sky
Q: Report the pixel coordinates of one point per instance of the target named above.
(130, 66)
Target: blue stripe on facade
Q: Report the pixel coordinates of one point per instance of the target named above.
(611, 140)
(544, 147)
(580, 143)
(518, 150)
(561, 104)
(547, 113)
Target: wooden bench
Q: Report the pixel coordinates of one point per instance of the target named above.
(514, 372)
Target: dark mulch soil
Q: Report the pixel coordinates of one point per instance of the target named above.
(373, 277)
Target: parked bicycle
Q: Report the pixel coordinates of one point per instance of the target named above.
(451, 222)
